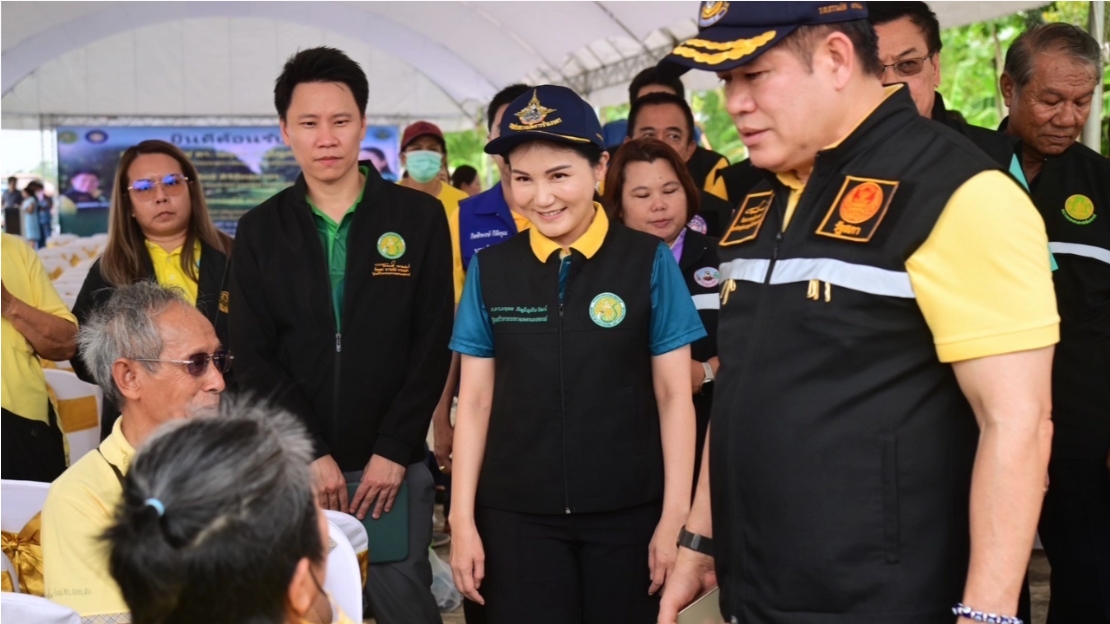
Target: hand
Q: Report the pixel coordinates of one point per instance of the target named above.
(331, 486)
(468, 561)
(444, 437)
(380, 482)
(662, 552)
(693, 575)
(697, 375)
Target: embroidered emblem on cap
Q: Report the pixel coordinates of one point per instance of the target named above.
(533, 116)
(730, 51)
(607, 310)
(749, 218)
(707, 277)
(1079, 209)
(391, 246)
(698, 224)
(711, 13)
(858, 210)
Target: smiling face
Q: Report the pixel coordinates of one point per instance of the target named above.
(901, 40)
(162, 215)
(780, 109)
(1049, 112)
(554, 187)
(667, 123)
(324, 128)
(653, 200)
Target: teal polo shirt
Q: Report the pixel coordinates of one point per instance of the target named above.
(333, 236)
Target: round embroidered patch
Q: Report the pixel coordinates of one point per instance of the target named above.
(861, 203)
(707, 277)
(607, 310)
(1079, 209)
(391, 245)
(698, 224)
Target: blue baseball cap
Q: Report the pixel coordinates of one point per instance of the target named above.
(731, 34)
(547, 113)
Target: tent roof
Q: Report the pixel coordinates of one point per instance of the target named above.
(168, 61)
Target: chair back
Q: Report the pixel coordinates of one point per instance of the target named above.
(28, 609)
(343, 581)
(79, 415)
(22, 500)
(355, 532)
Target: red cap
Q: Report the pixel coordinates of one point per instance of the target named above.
(419, 129)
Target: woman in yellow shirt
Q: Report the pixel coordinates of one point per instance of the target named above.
(158, 228)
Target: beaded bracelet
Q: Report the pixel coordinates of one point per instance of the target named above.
(963, 610)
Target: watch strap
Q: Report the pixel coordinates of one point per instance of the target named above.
(695, 542)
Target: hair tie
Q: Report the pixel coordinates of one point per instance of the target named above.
(157, 505)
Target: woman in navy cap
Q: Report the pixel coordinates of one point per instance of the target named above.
(574, 442)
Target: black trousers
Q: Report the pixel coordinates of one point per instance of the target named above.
(32, 450)
(568, 569)
(1075, 532)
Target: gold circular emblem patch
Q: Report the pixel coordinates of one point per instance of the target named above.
(861, 203)
(1079, 207)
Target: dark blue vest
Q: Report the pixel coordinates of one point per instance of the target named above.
(484, 220)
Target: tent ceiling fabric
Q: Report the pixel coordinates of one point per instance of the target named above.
(437, 60)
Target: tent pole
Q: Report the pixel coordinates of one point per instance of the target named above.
(1092, 131)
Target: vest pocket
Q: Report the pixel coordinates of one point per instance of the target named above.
(889, 478)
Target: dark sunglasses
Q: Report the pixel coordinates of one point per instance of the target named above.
(173, 184)
(197, 363)
(908, 67)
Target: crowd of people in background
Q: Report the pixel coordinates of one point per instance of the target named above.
(849, 377)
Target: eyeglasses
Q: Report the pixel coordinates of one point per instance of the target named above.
(197, 363)
(908, 67)
(172, 185)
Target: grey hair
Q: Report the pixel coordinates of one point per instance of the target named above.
(217, 511)
(1056, 37)
(125, 327)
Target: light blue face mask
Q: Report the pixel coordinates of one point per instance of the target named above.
(423, 165)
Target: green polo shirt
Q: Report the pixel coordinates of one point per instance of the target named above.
(333, 236)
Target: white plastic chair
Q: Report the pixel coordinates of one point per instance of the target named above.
(67, 387)
(344, 582)
(22, 500)
(28, 609)
(10, 569)
(352, 529)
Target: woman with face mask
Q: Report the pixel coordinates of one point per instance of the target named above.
(424, 156)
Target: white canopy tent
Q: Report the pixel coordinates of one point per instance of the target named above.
(186, 63)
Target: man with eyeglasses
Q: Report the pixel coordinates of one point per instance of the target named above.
(158, 358)
(909, 49)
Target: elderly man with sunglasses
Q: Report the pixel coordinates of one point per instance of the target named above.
(158, 358)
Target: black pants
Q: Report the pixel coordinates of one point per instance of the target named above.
(1075, 532)
(33, 450)
(568, 569)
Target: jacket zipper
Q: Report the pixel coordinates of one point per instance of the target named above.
(563, 400)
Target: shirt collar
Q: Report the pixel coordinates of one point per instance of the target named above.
(365, 171)
(116, 449)
(588, 244)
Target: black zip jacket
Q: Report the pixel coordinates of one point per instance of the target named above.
(699, 264)
(95, 292)
(998, 146)
(371, 389)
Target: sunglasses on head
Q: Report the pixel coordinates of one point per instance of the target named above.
(172, 184)
(197, 363)
(908, 67)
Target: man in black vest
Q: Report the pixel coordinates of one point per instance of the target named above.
(1048, 83)
(885, 291)
(909, 48)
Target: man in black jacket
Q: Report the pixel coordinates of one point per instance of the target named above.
(341, 308)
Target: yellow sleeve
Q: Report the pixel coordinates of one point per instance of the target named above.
(714, 184)
(457, 273)
(43, 295)
(982, 278)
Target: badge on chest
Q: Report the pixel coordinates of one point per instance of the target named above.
(858, 210)
(749, 218)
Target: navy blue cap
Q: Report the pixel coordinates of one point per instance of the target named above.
(547, 113)
(731, 34)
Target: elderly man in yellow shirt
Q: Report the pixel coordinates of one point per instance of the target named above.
(159, 359)
(36, 324)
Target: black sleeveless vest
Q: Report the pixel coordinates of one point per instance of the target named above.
(574, 426)
(841, 447)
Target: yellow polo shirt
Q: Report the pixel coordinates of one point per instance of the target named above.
(450, 197)
(168, 271)
(80, 506)
(23, 384)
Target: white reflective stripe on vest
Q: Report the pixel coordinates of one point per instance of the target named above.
(859, 277)
(711, 301)
(1075, 249)
(746, 270)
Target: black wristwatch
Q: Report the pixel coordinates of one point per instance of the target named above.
(697, 543)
